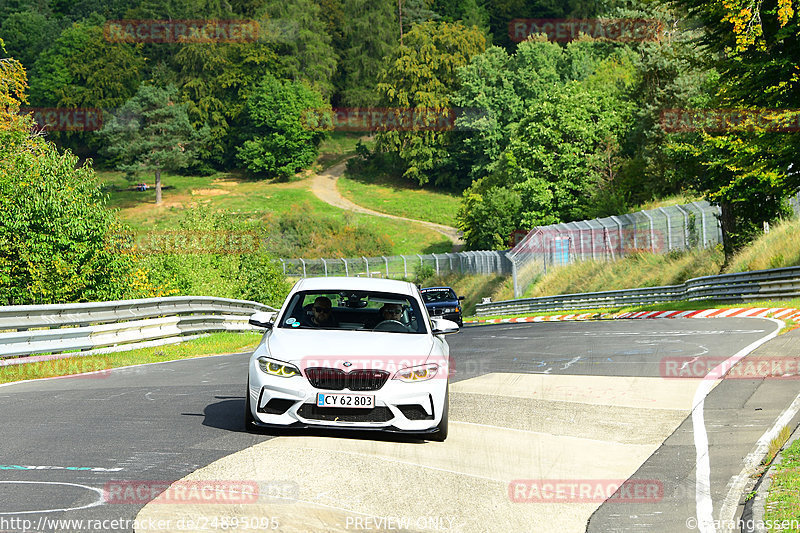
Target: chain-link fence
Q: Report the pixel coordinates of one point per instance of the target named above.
(401, 266)
(678, 227)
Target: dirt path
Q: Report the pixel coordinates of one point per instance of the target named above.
(323, 185)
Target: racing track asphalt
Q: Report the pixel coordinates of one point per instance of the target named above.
(551, 381)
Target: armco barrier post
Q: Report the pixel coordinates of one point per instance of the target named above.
(346, 270)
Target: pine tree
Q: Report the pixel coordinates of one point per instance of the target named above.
(370, 35)
(152, 132)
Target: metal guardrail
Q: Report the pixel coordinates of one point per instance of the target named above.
(756, 285)
(102, 327)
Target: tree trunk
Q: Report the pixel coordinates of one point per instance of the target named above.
(158, 186)
(727, 222)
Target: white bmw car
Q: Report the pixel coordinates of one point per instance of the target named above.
(353, 353)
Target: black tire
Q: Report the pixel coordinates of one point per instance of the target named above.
(441, 433)
(249, 421)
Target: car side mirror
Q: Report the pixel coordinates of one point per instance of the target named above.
(460, 297)
(262, 319)
(442, 326)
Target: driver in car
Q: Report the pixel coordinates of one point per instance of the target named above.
(387, 312)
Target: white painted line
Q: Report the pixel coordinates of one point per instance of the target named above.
(752, 461)
(704, 510)
(95, 503)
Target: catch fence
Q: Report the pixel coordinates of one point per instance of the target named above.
(660, 230)
(401, 266)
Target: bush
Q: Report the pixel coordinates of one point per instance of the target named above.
(240, 267)
(57, 239)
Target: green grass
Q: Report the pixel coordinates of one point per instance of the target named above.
(642, 269)
(213, 344)
(776, 444)
(779, 248)
(259, 200)
(398, 196)
(783, 501)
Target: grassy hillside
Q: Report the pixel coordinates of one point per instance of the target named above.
(398, 196)
(779, 248)
(636, 270)
(268, 204)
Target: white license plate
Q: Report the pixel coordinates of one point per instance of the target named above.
(358, 401)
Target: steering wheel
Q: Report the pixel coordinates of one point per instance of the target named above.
(391, 325)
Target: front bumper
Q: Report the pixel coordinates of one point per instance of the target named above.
(452, 316)
(399, 406)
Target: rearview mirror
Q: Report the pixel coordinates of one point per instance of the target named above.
(262, 319)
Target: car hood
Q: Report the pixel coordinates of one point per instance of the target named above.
(362, 349)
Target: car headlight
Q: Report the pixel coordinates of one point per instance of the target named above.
(417, 373)
(274, 367)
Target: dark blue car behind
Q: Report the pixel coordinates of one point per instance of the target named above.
(443, 302)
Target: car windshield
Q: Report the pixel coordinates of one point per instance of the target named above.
(438, 295)
(354, 310)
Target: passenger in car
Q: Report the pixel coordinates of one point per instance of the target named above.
(321, 314)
